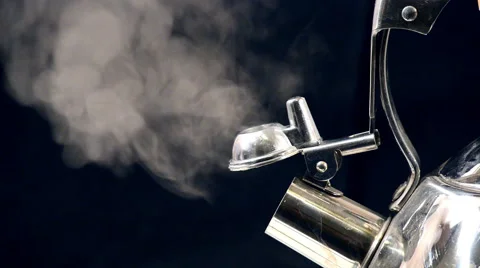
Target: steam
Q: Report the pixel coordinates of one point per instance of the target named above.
(153, 82)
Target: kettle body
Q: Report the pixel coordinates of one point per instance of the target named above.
(439, 225)
(435, 219)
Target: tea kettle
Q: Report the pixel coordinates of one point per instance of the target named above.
(435, 219)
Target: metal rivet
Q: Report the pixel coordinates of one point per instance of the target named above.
(322, 167)
(409, 13)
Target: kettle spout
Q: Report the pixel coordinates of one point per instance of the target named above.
(332, 231)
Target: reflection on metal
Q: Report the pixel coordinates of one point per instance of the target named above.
(302, 129)
(411, 155)
(437, 221)
(330, 231)
(331, 153)
(413, 15)
(463, 170)
(260, 146)
(418, 16)
(378, 62)
(439, 226)
(266, 144)
(389, 14)
(409, 13)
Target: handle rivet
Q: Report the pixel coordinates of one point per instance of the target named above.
(409, 13)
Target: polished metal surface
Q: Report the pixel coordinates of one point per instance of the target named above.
(406, 146)
(378, 63)
(413, 15)
(439, 226)
(302, 130)
(330, 152)
(354, 144)
(330, 231)
(373, 77)
(438, 218)
(260, 146)
(409, 13)
(463, 170)
(266, 144)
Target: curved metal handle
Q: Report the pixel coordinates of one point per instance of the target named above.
(414, 15)
(399, 133)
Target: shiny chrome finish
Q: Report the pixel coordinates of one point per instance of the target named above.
(413, 15)
(302, 129)
(439, 226)
(266, 144)
(354, 144)
(378, 62)
(269, 143)
(260, 146)
(331, 153)
(463, 170)
(409, 13)
(418, 16)
(438, 218)
(389, 14)
(406, 146)
(330, 231)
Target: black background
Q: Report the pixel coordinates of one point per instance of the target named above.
(53, 216)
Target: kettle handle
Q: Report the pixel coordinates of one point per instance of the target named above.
(419, 17)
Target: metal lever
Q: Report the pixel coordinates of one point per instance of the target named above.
(323, 161)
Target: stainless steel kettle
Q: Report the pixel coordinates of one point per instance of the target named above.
(436, 218)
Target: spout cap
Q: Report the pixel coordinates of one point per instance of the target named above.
(260, 146)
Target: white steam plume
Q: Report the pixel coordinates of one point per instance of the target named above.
(152, 82)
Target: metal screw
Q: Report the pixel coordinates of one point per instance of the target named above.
(322, 167)
(409, 13)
